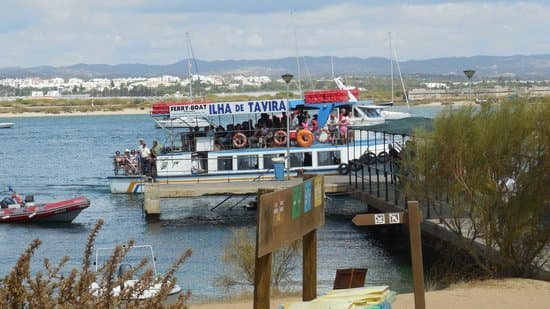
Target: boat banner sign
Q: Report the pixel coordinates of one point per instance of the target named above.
(229, 108)
(289, 214)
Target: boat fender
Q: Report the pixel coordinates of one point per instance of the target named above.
(239, 140)
(279, 138)
(343, 169)
(304, 138)
(355, 165)
(383, 157)
(323, 136)
(368, 158)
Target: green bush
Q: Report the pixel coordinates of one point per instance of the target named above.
(491, 167)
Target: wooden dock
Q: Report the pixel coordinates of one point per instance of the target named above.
(154, 192)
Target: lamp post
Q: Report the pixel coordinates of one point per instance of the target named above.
(287, 78)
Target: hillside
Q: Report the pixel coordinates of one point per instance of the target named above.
(520, 66)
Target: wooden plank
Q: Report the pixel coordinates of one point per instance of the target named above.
(416, 254)
(262, 281)
(380, 219)
(309, 284)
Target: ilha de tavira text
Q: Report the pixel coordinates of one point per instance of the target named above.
(227, 108)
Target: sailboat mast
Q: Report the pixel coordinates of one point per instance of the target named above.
(391, 67)
(401, 78)
(297, 54)
(189, 67)
(332, 65)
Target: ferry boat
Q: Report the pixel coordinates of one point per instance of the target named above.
(245, 138)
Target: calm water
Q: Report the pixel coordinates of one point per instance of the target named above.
(62, 157)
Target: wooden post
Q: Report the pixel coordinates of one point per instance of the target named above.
(262, 269)
(309, 247)
(416, 255)
(262, 281)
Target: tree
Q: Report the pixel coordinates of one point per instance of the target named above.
(239, 255)
(492, 166)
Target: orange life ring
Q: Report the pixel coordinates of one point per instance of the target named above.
(323, 136)
(280, 138)
(239, 140)
(304, 138)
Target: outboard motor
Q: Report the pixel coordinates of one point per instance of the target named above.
(6, 202)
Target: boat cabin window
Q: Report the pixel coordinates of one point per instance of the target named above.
(300, 159)
(326, 158)
(248, 162)
(268, 159)
(225, 163)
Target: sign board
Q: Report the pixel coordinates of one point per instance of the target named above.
(380, 218)
(289, 214)
(228, 108)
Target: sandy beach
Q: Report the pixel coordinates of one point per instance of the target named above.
(127, 111)
(503, 294)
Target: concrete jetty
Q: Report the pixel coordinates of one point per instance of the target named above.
(156, 191)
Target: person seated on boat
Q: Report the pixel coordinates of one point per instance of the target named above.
(332, 126)
(284, 120)
(344, 123)
(276, 122)
(314, 124)
(119, 161)
(16, 197)
(196, 166)
(294, 121)
(132, 167)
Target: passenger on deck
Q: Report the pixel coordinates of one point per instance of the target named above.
(344, 130)
(132, 168)
(332, 125)
(196, 166)
(119, 162)
(145, 161)
(16, 197)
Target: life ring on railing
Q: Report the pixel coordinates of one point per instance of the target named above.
(304, 138)
(323, 136)
(343, 169)
(280, 138)
(383, 157)
(355, 165)
(368, 158)
(239, 140)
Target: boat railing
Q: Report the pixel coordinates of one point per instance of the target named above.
(235, 139)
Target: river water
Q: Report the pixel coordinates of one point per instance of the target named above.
(61, 157)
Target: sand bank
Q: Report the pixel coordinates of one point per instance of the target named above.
(127, 111)
(502, 294)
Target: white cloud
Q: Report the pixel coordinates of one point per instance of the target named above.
(64, 32)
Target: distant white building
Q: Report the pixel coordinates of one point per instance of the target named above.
(436, 85)
(37, 93)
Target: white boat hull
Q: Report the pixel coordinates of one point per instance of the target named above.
(5, 125)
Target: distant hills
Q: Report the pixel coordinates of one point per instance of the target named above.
(517, 66)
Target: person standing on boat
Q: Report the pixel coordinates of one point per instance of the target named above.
(344, 123)
(332, 125)
(145, 154)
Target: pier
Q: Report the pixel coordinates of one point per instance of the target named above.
(153, 192)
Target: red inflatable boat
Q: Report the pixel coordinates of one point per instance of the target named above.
(60, 211)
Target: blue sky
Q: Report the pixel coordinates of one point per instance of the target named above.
(64, 32)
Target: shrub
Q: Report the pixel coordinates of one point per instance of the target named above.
(239, 255)
(492, 166)
(54, 289)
